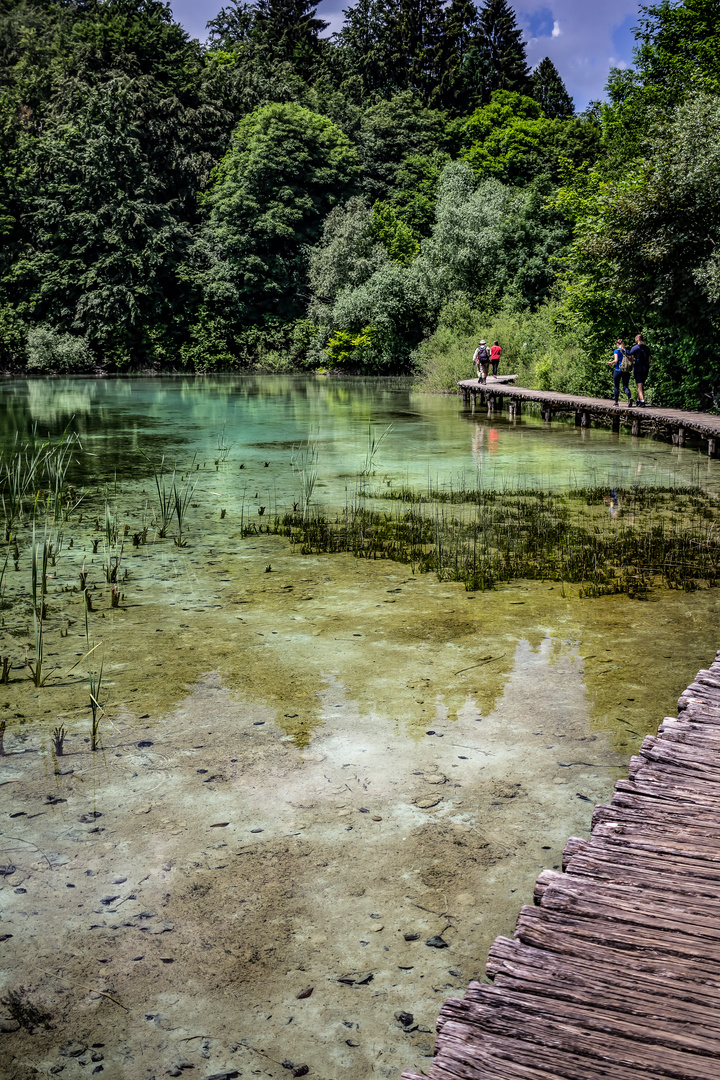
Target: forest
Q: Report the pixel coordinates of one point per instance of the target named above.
(369, 202)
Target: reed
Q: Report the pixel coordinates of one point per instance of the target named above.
(305, 464)
(165, 499)
(374, 442)
(58, 739)
(39, 609)
(624, 541)
(181, 497)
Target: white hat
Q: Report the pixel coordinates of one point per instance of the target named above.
(483, 341)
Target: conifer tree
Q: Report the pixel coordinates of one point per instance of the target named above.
(549, 90)
(290, 29)
(460, 25)
(417, 27)
(500, 59)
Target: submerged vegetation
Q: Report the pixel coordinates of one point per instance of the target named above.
(619, 541)
(64, 559)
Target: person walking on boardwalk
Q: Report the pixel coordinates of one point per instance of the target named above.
(495, 356)
(482, 360)
(641, 356)
(622, 366)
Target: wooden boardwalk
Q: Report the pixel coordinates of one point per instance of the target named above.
(675, 424)
(615, 974)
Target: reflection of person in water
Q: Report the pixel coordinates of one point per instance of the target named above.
(612, 503)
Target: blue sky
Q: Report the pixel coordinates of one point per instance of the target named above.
(584, 38)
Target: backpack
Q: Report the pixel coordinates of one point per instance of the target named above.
(482, 354)
(626, 364)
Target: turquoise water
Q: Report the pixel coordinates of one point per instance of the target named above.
(303, 757)
(127, 423)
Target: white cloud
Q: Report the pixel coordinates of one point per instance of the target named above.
(581, 43)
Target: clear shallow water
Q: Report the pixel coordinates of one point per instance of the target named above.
(304, 757)
(123, 423)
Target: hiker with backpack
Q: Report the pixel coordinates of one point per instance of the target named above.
(481, 359)
(622, 365)
(641, 356)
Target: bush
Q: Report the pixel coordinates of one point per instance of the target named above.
(52, 352)
(544, 355)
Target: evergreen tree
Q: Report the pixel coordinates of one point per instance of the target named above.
(549, 90)
(417, 27)
(498, 60)
(368, 48)
(461, 17)
(291, 31)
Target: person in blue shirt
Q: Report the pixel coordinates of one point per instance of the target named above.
(641, 367)
(619, 375)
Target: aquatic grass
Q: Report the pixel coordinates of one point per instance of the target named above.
(181, 497)
(165, 499)
(604, 541)
(305, 461)
(39, 610)
(374, 442)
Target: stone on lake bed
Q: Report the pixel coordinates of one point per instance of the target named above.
(437, 942)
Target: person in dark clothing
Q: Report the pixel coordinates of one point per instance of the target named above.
(618, 362)
(641, 367)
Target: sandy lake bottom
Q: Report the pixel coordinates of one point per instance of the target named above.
(307, 774)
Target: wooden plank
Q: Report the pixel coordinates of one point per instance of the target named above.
(492, 1057)
(622, 936)
(578, 1030)
(671, 988)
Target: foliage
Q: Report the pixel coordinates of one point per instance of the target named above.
(645, 256)
(547, 87)
(50, 351)
(536, 346)
(286, 168)
(283, 199)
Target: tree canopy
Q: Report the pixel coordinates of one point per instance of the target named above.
(285, 198)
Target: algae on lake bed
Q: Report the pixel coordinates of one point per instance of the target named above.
(300, 766)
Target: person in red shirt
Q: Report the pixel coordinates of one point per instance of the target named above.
(495, 356)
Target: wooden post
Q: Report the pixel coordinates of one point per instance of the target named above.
(712, 447)
(578, 418)
(585, 419)
(490, 403)
(681, 436)
(546, 413)
(616, 423)
(474, 397)
(636, 426)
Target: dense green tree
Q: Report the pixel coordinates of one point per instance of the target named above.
(679, 46)
(497, 58)
(291, 31)
(645, 254)
(107, 136)
(286, 168)
(390, 131)
(460, 25)
(549, 90)
(415, 190)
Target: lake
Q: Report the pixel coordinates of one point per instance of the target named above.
(324, 783)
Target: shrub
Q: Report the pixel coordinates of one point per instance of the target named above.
(52, 352)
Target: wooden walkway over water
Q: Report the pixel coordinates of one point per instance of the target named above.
(675, 424)
(615, 974)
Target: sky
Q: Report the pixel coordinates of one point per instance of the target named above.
(583, 38)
